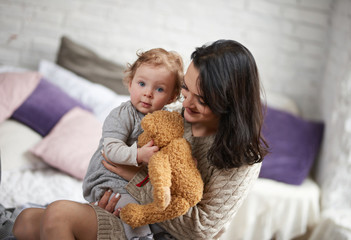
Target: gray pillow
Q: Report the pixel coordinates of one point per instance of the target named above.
(86, 63)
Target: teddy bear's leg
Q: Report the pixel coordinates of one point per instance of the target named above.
(176, 208)
(138, 215)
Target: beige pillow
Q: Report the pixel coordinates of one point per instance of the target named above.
(88, 64)
(15, 140)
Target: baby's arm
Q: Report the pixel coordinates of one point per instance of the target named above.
(118, 131)
(118, 152)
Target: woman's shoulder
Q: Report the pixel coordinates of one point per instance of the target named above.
(244, 172)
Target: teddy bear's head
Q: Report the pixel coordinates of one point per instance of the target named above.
(162, 127)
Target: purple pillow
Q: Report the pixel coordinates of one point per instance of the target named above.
(294, 144)
(44, 107)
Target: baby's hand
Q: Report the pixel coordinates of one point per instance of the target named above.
(145, 152)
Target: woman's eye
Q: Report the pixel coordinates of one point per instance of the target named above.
(202, 102)
(141, 84)
(160, 90)
(184, 87)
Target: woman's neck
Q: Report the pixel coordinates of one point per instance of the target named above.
(201, 130)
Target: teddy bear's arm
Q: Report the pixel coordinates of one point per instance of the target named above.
(160, 177)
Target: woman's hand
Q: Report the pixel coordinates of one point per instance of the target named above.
(109, 204)
(125, 171)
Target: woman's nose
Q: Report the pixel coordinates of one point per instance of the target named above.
(188, 100)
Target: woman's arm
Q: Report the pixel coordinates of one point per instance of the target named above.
(125, 171)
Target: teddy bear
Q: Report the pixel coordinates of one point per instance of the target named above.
(176, 181)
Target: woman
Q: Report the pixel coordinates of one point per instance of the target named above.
(223, 118)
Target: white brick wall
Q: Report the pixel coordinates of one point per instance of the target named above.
(288, 37)
(335, 163)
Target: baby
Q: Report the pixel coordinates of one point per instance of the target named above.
(153, 80)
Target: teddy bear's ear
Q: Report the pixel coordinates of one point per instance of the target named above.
(177, 118)
(148, 124)
(172, 124)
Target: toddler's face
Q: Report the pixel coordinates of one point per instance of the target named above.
(151, 88)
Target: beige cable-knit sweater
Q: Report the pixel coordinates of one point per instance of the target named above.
(224, 193)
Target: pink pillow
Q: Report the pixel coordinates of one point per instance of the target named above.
(71, 143)
(14, 90)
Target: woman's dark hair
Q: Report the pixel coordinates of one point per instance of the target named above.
(230, 86)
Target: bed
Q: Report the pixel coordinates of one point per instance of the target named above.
(50, 125)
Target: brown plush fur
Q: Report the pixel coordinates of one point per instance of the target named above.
(177, 183)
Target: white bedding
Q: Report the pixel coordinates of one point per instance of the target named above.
(40, 186)
(272, 209)
(276, 209)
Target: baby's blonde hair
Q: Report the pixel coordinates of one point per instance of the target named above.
(171, 60)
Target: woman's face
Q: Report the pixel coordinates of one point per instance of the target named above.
(195, 110)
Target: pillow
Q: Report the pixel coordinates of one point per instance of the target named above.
(282, 102)
(15, 140)
(71, 143)
(294, 144)
(86, 63)
(14, 89)
(95, 96)
(44, 107)
(9, 68)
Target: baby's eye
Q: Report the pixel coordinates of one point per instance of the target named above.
(141, 84)
(159, 89)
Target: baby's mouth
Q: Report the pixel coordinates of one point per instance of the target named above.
(145, 104)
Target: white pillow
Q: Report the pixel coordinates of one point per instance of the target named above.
(95, 96)
(282, 102)
(15, 140)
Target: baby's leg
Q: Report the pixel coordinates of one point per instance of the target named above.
(143, 232)
(27, 224)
